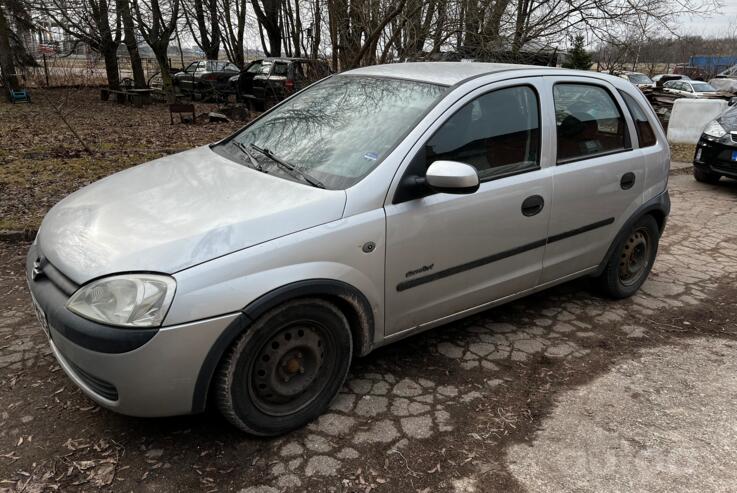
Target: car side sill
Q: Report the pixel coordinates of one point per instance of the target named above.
(489, 304)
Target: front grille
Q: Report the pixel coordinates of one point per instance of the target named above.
(98, 385)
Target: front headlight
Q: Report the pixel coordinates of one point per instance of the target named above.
(714, 129)
(129, 300)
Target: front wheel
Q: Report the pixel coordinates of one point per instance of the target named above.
(631, 260)
(286, 369)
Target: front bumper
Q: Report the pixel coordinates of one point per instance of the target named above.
(715, 155)
(138, 372)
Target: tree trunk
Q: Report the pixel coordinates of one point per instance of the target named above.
(6, 56)
(129, 39)
(268, 18)
(333, 29)
(316, 29)
(163, 60)
(110, 55)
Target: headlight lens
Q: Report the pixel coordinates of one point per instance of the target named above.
(714, 129)
(130, 300)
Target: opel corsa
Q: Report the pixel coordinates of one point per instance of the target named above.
(373, 205)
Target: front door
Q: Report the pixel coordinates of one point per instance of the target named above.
(449, 253)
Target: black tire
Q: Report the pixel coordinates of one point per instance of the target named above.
(631, 260)
(286, 369)
(705, 176)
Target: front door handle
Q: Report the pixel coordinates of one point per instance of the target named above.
(627, 181)
(532, 205)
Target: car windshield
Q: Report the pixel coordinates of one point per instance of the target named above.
(702, 87)
(640, 79)
(338, 130)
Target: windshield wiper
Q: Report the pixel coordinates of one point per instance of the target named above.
(292, 168)
(242, 147)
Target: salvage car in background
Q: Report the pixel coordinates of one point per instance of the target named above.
(205, 76)
(724, 85)
(267, 81)
(371, 206)
(660, 79)
(639, 79)
(691, 89)
(716, 151)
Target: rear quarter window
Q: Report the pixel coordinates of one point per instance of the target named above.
(645, 133)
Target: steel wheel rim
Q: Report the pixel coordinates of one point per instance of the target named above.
(291, 368)
(634, 257)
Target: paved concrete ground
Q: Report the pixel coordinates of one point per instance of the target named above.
(560, 391)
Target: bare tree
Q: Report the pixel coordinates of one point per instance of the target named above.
(131, 42)
(233, 29)
(206, 26)
(13, 14)
(93, 22)
(157, 23)
(268, 13)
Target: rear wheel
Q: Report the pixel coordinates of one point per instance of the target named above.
(705, 176)
(631, 260)
(286, 369)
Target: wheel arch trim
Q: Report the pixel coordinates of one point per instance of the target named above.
(659, 205)
(348, 296)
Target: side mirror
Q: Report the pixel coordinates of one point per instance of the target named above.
(452, 177)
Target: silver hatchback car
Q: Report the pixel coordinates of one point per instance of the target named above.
(370, 206)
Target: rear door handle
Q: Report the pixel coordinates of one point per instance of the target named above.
(627, 181)
(532, 205)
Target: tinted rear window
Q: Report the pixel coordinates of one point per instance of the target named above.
(645, 132)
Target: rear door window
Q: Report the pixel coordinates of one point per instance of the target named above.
(645, 132)
(588, 122)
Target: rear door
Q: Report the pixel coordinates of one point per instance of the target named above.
(599, 174)
(186, 79)
(449, 253)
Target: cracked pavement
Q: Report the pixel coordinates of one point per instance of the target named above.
(563, 390)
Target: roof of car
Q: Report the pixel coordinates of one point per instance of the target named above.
(289, 59)
(446, 73)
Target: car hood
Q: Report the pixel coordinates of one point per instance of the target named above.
(176, 212)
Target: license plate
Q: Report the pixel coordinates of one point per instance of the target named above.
(41, 315)
(734, 155)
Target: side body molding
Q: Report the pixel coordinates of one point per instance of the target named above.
(349, 299)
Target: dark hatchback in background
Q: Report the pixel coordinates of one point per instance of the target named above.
(205, 76)
(716, 152)
(265, 82)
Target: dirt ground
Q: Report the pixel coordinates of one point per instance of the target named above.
(562, 391)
